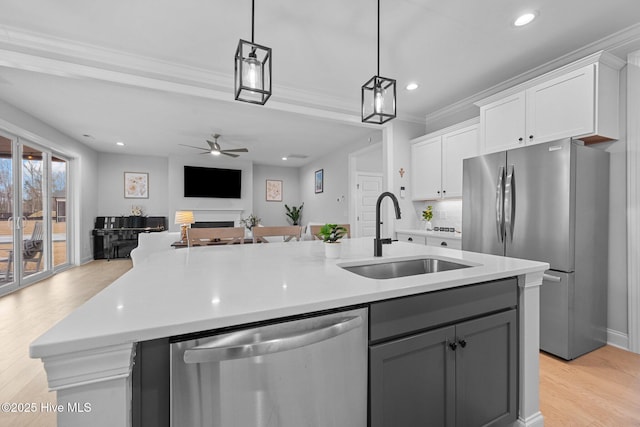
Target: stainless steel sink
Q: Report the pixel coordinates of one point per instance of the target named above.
(402, 268)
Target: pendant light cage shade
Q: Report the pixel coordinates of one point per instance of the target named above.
(378, 100)
(252, 73)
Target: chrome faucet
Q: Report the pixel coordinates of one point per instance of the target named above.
(377, 243)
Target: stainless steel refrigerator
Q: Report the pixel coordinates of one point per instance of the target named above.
(548, 202)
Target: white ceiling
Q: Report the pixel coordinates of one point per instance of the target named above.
(158, 73)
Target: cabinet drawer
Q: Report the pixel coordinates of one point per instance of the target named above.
(445, 242)
(412, 238)
(420, 312)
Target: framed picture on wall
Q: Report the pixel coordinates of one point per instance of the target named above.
(319, 181)
(274, 190)
(136, 185)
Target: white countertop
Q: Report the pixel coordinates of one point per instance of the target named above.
(180, 291)
(437, 234)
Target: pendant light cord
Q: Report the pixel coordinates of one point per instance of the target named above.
(378, 38)
(253, 6)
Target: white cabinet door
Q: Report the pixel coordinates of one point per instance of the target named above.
(457, 146)
(426, 169)
(502, 123)
(562, 107)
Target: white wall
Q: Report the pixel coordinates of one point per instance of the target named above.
(274, 213)
(399, 137)
(83, 172)
(111, 169)
(332, 205)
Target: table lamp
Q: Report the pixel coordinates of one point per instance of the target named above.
(184, 219)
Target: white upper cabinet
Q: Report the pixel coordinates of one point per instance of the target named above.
(426, 169)
(579, 100)
(457, 146)
(502, 123)
(436, 161)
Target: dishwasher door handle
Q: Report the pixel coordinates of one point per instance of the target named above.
(210, 353)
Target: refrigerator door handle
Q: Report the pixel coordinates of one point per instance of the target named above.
(509, 202)
(551, 278)
(500, 205)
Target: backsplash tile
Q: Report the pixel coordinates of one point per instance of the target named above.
(446, 213)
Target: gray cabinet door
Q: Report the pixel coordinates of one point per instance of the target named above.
(486, 370)
(412, 381)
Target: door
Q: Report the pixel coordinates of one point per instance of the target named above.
(556, 310)
(541, 226)
(486, 371)
(369, 188)
(32, 192)
(36, 210)
(412, 381)
(457, 146)
(503, 123)
(562, 107)
(482, 195)
(426, 169)
(8, 145)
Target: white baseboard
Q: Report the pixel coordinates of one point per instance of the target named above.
(617, 339)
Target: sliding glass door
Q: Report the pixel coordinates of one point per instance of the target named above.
(7, 218)
(33, 212)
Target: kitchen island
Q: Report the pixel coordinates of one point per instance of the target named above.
(88, 356)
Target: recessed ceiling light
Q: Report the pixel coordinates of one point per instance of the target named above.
(120, 143)
(284, 158)
(412, 86)
(524, 19)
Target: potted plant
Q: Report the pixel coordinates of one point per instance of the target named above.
(250, 222)
(294, 213)
(427, 215)
(331, 234)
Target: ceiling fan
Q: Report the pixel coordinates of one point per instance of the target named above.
(214, 148)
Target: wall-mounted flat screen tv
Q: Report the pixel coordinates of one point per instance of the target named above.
(212, 182)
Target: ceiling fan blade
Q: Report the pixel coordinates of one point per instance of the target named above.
(191, 146)
(229, 154)
(235, 150)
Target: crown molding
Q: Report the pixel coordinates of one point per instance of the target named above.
(615, 41)
(31, 51)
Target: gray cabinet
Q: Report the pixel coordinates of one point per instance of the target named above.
(460, 374)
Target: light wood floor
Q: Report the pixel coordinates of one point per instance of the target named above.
(599, 389)
(28, 313)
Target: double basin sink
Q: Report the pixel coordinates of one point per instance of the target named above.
(402, 268)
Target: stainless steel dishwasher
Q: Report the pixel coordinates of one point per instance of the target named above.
(310, 371)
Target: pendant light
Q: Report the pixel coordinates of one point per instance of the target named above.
(252, 69)
(378, 94)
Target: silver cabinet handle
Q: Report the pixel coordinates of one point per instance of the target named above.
(510, 202)
(551, 278)
(500, 204)
(216, 351)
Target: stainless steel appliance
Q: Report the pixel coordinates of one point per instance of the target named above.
(310, 371)
(547, 202)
